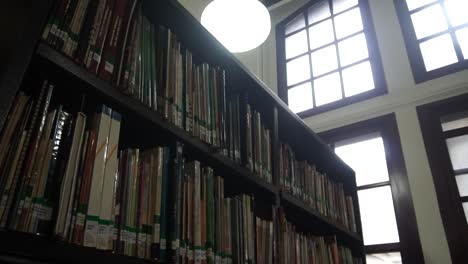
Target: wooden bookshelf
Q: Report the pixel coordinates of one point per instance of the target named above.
(26, 58)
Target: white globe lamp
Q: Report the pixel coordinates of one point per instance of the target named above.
(240, 25)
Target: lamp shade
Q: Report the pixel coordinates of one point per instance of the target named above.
(240, 25)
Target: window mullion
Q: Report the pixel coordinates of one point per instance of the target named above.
(458, 49)
(337, 51)
(306, 17)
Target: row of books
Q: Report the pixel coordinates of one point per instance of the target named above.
(63, 175)
(113, 39)
(297, 248)
(58, 170)
(258, 144)
(316, 189)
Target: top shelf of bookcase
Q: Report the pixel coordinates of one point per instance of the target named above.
(128, 104)
(196, 38)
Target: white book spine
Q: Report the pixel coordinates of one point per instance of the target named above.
(104, 238)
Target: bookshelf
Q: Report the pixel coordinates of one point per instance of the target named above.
(27, 58)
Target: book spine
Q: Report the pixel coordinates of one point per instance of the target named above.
(96, 24)
(109, 53)
(97, 177)
(164, 232)
(175, 201)
(98, 47)
(104, 237)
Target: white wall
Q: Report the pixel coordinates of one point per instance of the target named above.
(403, 97)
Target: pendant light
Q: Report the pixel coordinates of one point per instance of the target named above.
(240, 25)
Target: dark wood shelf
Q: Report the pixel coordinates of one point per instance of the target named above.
(29, 248)
(130, 104)
(296, 206)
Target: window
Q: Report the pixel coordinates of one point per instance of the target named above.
(436, 36)
(444, 125)
(372, 149)
(327, 56)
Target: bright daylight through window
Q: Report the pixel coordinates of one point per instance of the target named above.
(441, 31)
(327, 56)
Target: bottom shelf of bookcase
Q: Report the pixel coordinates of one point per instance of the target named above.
(18, 247)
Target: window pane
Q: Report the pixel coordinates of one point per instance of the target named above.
(366, 158)
(462, 183)
(300, 98)
(413, 4)
(340, 5)
(296, 44)
(295, 24)
(298, 70)
(429, 21)
(353, 49)
(358, 79)
(378, 216)
(462, 37)
(465, 208)
(458, 150)
(319, 12)
(438, 52)
(455, 121)
(457, 11)
(348, 23)
(384, 258)
(327, 89)
(321, 34)
(324, 60)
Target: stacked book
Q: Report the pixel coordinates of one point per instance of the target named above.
(113, 39)
(297, 248)
(257, 144)
(315, 189)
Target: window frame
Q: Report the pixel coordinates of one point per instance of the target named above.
(448, 197)
(415, 57)
(372, 48)
(409, 245)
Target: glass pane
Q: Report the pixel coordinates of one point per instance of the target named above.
(413, 4)
(327, 89)
(378, 216)
(300, 98)
(465, 208)
(319, 12)
(324, 60)
(321, 34)
(458, 150)
(462, 37)
(353, 49)
(295, 24)
(457, 11)
(455, 121)
(298, 70)
(429, 21)
(384, 258)
(358, 79)
(366, 158)
(341, 5)
(438, 52)
(296, 44)
(348, 23)
(462, 183)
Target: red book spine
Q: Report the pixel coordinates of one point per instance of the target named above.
(98, 48)
(109, 58)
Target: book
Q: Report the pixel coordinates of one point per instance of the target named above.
(102, 128)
